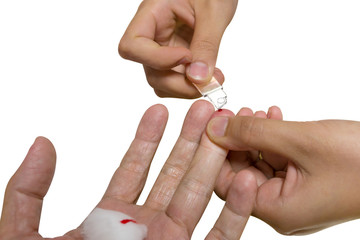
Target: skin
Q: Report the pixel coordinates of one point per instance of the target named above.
(309, 178)
(302, 161)
(167, 35)
(176, 201)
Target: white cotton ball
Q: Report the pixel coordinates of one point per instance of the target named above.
(104, 224)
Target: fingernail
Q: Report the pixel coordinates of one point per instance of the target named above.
(184, 60)
(217, 126)
(198, 70)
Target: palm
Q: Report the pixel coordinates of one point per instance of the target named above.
(160, 225)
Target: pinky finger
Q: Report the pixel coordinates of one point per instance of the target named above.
(274, 112)
(238, 207)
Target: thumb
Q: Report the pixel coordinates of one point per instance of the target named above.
(211, 19)
(27, 188)
(241, 133)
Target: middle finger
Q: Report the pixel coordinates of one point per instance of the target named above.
(181, 155)
(196, 187)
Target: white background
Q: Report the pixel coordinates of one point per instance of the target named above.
(61, 77)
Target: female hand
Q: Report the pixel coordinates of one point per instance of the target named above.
(167, 35)
(308, 172)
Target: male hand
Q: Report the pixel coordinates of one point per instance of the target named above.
(176, 201)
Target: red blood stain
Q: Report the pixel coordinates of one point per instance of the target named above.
(125, 221)
(220, 110)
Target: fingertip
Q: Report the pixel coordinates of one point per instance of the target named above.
(198, 72)
(245, 182)
(245, 111)
(43, 145)
(156, 114)
(42, 140)
(219, 76)
(260, 114)
(194, 77)
(223, 112)
(275, 112)
(218, 123)
(216, 128)
(242, 192)
(159, 109)
(202, 105)
(196, 119)
(153, 123)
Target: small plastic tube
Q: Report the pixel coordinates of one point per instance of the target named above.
(214, 92)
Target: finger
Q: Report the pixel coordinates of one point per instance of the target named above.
(274, 112)
(245, 112)
(287, 139)
(138, 42)
(275, 206)
(254, 153)
(263, 166)
(27, 188)
(260, 114)
(224, 180)
(237, 210)
(181, 155)
(196, 187)
(237, 162)
(210, 25)
(170, 83)
(229, 169)
(129, 179)
(280, 163)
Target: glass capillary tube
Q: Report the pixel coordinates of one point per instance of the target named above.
(214, 92)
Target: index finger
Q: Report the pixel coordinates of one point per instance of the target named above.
(139, 44)
(129, 179)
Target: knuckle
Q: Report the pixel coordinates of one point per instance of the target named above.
(206, 46)
(250, 129)
(173, 171)
(217, 234)
(197, 188)
(133, 167)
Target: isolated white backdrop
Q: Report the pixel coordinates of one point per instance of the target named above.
(61, 77)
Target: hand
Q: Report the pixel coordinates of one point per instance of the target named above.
(309, 179)
(165, 35)
(176, 201)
